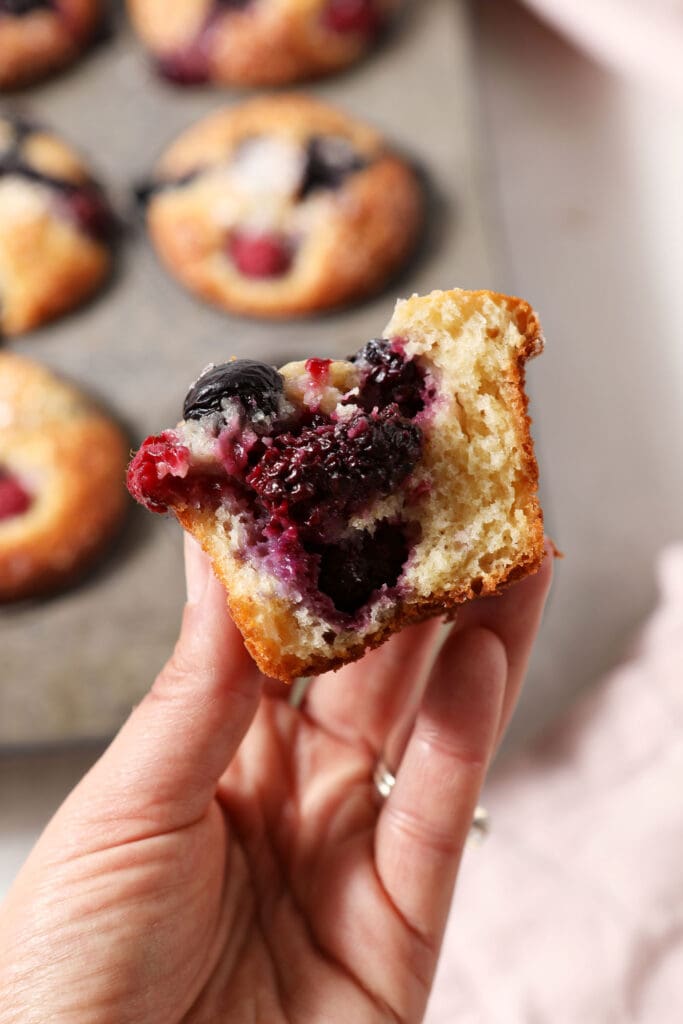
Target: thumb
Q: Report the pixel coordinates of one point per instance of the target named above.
(163, 767)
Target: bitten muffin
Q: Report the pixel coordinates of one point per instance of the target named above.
(341, 500)
(62, 480)
(55, 227)
(283, 206)
(41, 36)
(257, 42)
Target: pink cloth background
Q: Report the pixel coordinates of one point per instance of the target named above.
(644, 37)
(572, 911)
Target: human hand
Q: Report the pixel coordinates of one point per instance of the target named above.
(227, 859)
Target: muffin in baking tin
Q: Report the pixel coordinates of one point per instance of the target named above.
(62, 471)
(283, 206)
(55, 227)
(41, 36)
(257, 42)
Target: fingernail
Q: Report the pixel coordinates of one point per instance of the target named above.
(197, 570)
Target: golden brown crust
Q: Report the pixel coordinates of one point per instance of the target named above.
(270, 617)
(48, 264)
(350, 241)
(36, 44)
(71, 458)
(275, 42)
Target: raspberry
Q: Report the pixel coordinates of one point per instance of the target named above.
(14, 498)
(154, 474)
(353, 16)
(389, 378)
(329, 471)
(318, 370)
(263, 255)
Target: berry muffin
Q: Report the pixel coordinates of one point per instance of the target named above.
(283, 206)
(341, 500)
(257, 42)
(40, 36)
(62, 472)
(55, 227)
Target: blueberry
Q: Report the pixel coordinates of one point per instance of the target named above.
(330, 159)
(256, 385)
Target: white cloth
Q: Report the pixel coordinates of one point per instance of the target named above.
(572, 911)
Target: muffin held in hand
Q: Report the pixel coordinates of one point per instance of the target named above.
(41, 36)
(283, 206)
(55, 228)
(257, 42)
(341, 500)
(62, 473)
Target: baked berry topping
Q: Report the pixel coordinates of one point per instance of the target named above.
(83, 203)
(318, 370)
(389, 378)
(351, 571)
(352, 16)
(320, 477)
(329, 161)
(260, 255)
(21, 7)
(256, 385)
(88, 207)
(189, 66)
(14, 498)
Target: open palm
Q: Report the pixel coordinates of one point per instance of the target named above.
(170, 887)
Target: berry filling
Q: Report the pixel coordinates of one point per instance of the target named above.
(14, 498)
(364, 562)
(17, 8)
(353, 17)
(298, 476)
(321, 476)
(260, 255)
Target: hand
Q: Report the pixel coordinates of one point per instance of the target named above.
(227, 859)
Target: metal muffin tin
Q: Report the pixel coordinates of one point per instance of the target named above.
(72, 666)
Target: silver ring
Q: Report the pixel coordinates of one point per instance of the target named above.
(384, 781)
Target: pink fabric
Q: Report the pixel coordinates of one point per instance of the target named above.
(572, 911)
(640, 36)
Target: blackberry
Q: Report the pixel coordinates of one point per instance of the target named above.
(329, 471)
(364, 562)
(389, 378)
